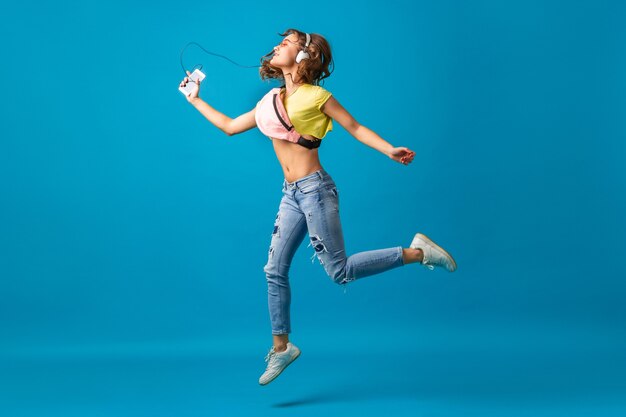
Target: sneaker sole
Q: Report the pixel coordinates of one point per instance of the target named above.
(427, 239)
(286, 366)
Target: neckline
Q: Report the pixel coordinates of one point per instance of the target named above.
(296, 90)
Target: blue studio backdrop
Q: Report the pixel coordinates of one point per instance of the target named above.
(133, 232)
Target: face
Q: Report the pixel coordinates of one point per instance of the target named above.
(285, 52)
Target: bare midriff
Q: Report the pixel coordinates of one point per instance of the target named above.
(296, 160)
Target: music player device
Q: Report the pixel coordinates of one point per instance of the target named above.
(195, 76)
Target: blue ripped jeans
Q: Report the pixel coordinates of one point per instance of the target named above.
(311, 204)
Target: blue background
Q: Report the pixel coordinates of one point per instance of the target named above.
(133, 232)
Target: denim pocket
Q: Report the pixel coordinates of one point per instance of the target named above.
(333, 189)
(331, 195)
(308, 187)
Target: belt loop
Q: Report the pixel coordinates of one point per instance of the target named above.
(319, 174)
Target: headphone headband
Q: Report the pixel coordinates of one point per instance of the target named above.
(303, 54)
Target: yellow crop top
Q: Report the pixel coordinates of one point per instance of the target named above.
(303, 109)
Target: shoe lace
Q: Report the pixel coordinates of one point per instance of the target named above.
(426, 263)
(271, 355)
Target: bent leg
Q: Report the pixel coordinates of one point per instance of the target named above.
(289, 231)
(326, 235)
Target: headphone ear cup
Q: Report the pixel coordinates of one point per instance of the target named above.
(301, 55)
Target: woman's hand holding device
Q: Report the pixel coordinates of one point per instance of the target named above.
(190, 86)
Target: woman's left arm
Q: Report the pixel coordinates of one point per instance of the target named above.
(333, 109)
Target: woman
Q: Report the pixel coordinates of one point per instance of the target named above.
(310, 201)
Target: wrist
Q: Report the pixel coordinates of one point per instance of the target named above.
(194, 100)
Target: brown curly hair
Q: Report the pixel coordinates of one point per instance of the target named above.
(310, 71)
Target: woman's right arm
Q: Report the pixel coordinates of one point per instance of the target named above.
(227, 125)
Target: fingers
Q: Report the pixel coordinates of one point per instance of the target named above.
(186, 80)
(407, 158)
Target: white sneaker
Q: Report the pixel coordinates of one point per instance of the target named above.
(434, 255)
(278, 361)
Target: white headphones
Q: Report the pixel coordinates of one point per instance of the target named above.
(302, 54)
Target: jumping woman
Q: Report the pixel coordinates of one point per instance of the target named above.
(296, 116)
